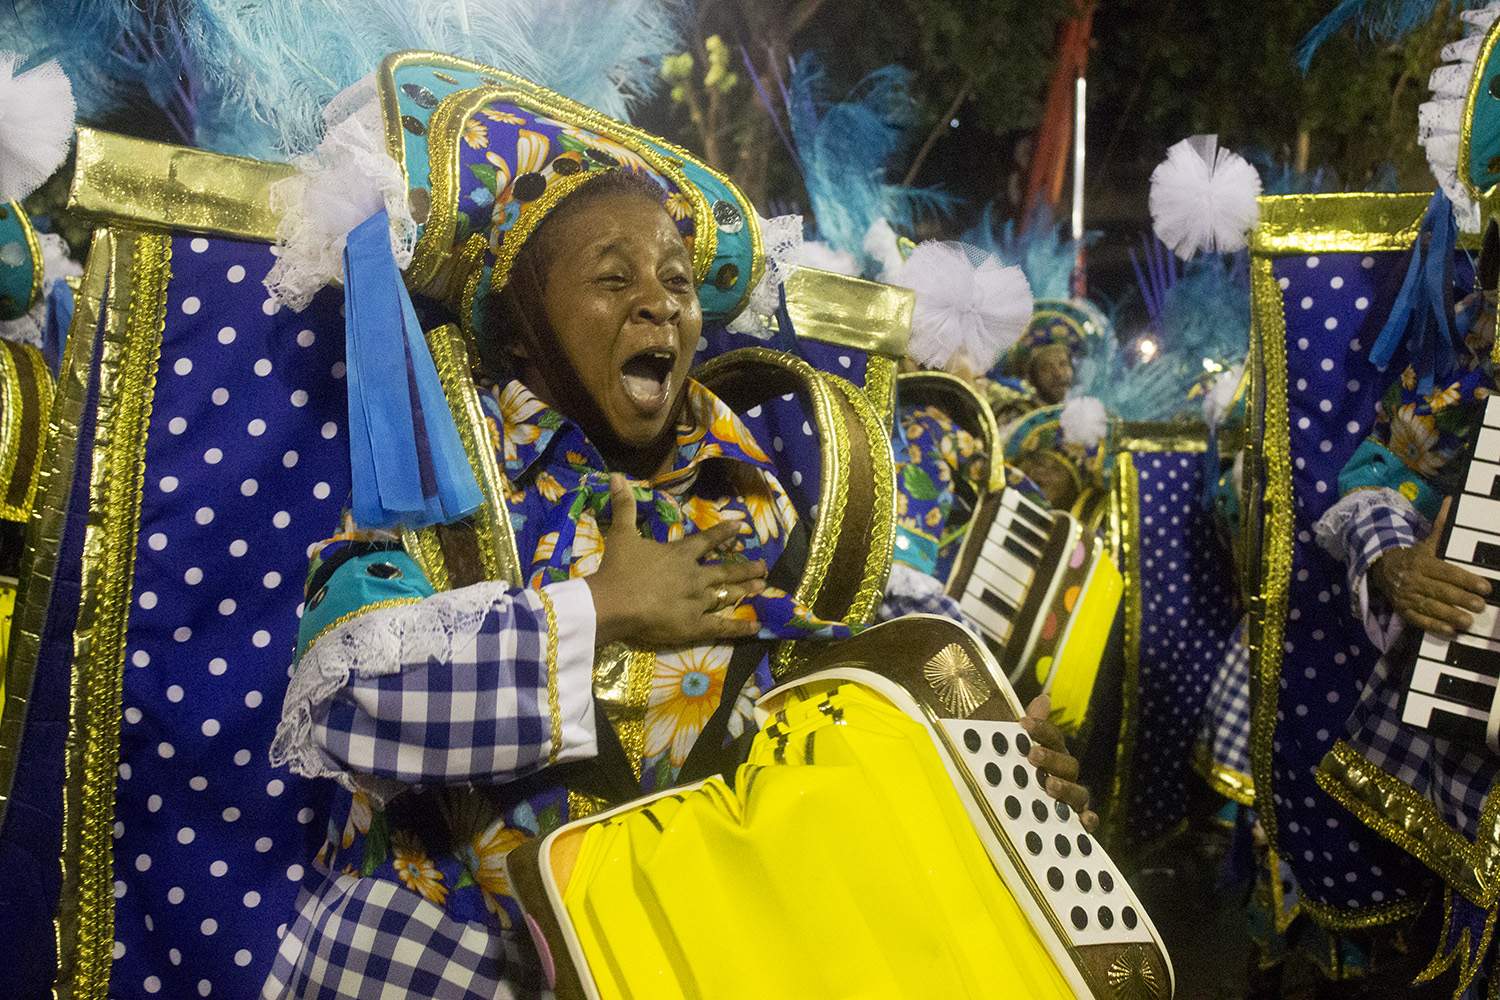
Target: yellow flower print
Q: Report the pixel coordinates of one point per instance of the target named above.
(901, 501)
(1409, 378)
(1412, 439)
(1445, 397)
(727, 427)
(490, 849)
(517, 405)
(546, 547)
(676, 532)
(685, 689)
(574, 458)
(531, 152)
(933, 517)
(416, 870)
(678, 207)
(502, 116)
(569, 129)
(359, 818)
(476, 135)
(761, 506)
(588, 546)
(704, 513)
(744, 710)
(913, 428)
(502, 170)
(549, 487)
(913, 453)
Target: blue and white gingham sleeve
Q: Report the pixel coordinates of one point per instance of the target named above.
(1359, 529)
(477, 685)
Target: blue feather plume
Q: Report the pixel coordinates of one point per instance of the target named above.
(845, 148)
(84, 37)
(1387, 20)
(1040, 250)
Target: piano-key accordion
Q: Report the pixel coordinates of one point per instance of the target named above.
(886, 837)
(1044, 594)
(1454, 687)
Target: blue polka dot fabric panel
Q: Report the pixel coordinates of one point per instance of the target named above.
(844, 362)
(783, 426)
(1187, 620)
(247, 464)
(1334, 305)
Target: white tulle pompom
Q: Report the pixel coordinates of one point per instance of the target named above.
(1203, 198)
(881, 246)
(783, 240)
(1440, 120)
(816, 253)
(1219, 398)
(1083, 421)
(349, 179)
(36, 122)
(968, 303)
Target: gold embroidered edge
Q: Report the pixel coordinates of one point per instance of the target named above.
(883, 517)
(554, 709)
(360, 612)
(49, 516)
(85, 921)
(10, 425)
(1234, 785)
(1334, 223)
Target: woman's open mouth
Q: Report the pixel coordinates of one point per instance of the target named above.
(647, 378)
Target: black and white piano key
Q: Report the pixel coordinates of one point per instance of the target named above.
(1477, 512)
(996, 561)
(987, 615)
(1452, 685)
(1477, 549)
(1027, 508)
(1445, 719)
(999, 541)
(1487, 445)
(1483, 479)
(1473, 653)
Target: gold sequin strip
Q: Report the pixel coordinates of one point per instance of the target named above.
(554, 707)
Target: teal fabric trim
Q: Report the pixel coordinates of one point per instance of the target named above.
(917, 551)
(1373, 466)
(18, 266)
(353, 586)
(1484, 134)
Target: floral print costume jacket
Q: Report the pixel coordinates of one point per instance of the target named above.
(441, 736)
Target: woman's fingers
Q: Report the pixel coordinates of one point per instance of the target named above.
(1060, 765)
(712, 538)
(739, 571)
(1469, 589)
(1075, 795)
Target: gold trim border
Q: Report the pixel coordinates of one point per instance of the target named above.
(1466, 124)
(1125, 529)
(1233, 785)
(1339, 223)
(85, 916)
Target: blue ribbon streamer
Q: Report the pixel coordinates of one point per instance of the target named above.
(1422, 315)
(408, 462)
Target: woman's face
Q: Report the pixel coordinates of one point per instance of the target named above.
(621, 298)
(1052, 372)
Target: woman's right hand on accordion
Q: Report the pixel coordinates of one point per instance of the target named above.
(1426, 591)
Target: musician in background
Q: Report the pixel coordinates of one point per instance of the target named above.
(1039, 370)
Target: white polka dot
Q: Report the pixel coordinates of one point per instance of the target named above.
(1302, 343)
(1326, 364)
(321, 491)
(199, 244)
(231, 814)
(1326, 405)
(118, 952)
(1331, 323)
(338, 369)
(125, 771)
(186, 835)
(1367, 263)
(204, 515)
(151, 984)
(143, 862)
(220, 396)
(252, 899)
(252, 699)
(174, 956)
(175, 895)
(235, 274)
(242, 757)
(263, 844)
(1325, 446)
(1361, 303)
(294, 873)
(289, 459)
(776, 443)
(1352, 385)
(197, 782)
(140, 658)
(213, 456)
(1352, 427)
(1337, 282)
(132, 715)
(274, 787)
(281, 519)
(227, 335)
(305, 815)
(306, 338)
(263, 367)
(1302, 385)
(227, 606)
(329, 430)
(217, 666)
(1307, 302)
(807, 429)
(256, 427)
(209, 926)
(242, 957)
(299, 397)
(210, 727)
(147, 600)
(1303, 423)
(165, 750)
(175, 693)
(218, 869)
(119, 889)
(1285, 283)
(177, 425)
(1322, 487)
(168, 484)
(191, 305)
(1312, 261)
(270, 307)
(238, 547)
(271, 580)
(204, 986)
(796, 478)
(249, 487)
